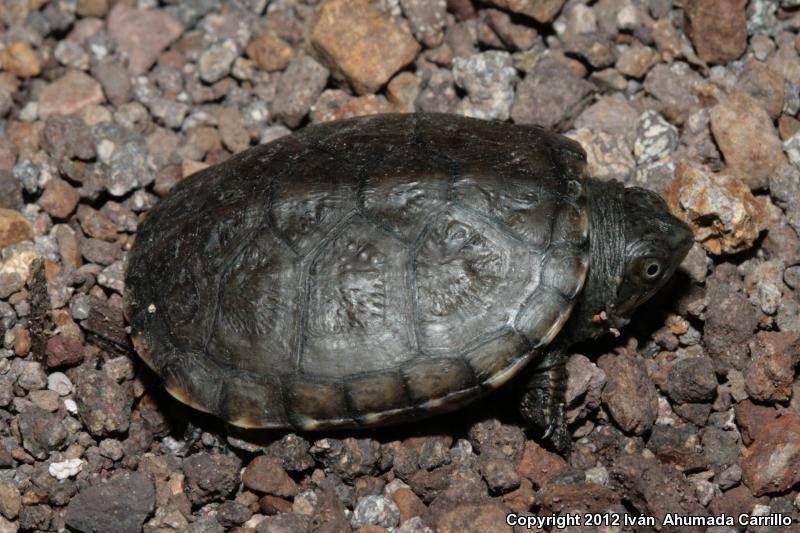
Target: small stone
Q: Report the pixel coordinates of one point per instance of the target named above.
(635, 61)
(540, 465)
(408, 504)
(763, 84)
(59, 198)
(232, 130)
(63, 350)
(42, 432)
(718, 29)
(20, 60)
(747, 139)
(298, 88)
(119, 504)
(692, 380)
(674, 87)
(141, 34)
(10, 499)
(357, 41)
(488, 78)
(771, 463)
(378, 510)
(215, 61)
(629, 395)
(542, 11)
(111, 448)
(724, 215)
(70, 94)
(115, 81)
(486, 518)
(500, 474)
(265, 474)
(71, 54)
(655, 138)
(104, 406)
(210, 477)
(270, 52)
(231, 513)
(791, 276)
(31, 376)
(65, 469)
(402, 92)
(67, 136)
(14, 228)
(770, 373)
(549, 96)
(585, 382)
(427, 19)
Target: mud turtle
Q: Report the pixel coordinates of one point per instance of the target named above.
(378, 269)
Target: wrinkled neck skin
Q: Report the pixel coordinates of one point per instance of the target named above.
(606, 263)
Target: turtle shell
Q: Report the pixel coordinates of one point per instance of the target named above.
(361, 272)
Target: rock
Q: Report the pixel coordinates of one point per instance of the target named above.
(438, 94)
(20, 60)
(10, 499)
(539, 465)
(764, 85)
(215, 62)
(70, 94)
(42, 432)
(751, 417)
(265, 474)
(210, 477)
(232, 130)
(357, 41)
(30, 375)
(298, 88)
(500, 474)
(747, 139)
(484, 518)
(120, 504)
(104, 406)
(724, 215)
(67, 136)
(65, 469)
(629, 394)
(270, 52)
(141, 34)
(540, 10)
(283, 523)
(378, 510)
(771, 463)
(427, 19)
(408, 504)
(59, 383)
(491, 438)
(721, 448)
(656, 138)
(59, 198)
(115, 81)
(14, 228)
(770, 373)
(549, 96)
(488, 78)
(292, 452)
(585, 382)
(692, 380)
(347, 458)
(635, 61)
(674, 87)
(718, 29)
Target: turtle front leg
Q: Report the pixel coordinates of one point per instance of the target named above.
(543, 401)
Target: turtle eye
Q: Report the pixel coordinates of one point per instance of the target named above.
(651, 269)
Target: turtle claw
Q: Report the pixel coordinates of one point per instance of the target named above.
(543, 406)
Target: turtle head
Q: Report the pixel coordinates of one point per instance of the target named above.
(636, 245)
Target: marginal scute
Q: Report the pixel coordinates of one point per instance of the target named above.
(198, 388)
(313, 404)
(252, 404)
(430, 379)
(377, 393)
(571, 225)
(491, 357)
(542, 316)
(564, 270)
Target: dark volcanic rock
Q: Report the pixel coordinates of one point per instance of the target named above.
(210, 477)
(692, 380)
(120, 504)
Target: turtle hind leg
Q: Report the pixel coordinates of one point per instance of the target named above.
(543, 400)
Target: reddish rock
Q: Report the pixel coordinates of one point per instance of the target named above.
(737, 500)
(64, 351)
(521, 499)
(409, 504)
(271, 505)
(142, 34)
(487, 518)
(59, 198)
(764, 85)
(69, 94)
(629, 395)
(724, 215)
(751, 417)
(747, 139)
(357, 41)
(558, 498)
(584, 386)
(718, 29)
(14, 228)
(21, 60)
(270, 52)
(772, 462)
(770, 373)
(96, 224)
(539, 465)
(265, 474)
(540, 10)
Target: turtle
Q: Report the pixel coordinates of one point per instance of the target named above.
(379, 269)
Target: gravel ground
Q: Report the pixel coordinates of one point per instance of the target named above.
(105, 105)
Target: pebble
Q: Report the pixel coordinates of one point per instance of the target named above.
(265, 474)
(488, 79)
(14, 228)
(377, 510)
(21, 60)
(70, 94)
(357, 41)
(718, 29)
(120, 504)
(141, 34)
(270, 52)
(770, 373)
(210, 477)
(427, 19)
(542, 11)
(215, 62)
(629, 394)
(585, 382)
(104, 406)
(10, 499)
(65, 469)
(539, 465)
(42, 431)
(656, 138)
(298, 88)
(692, 380)
(770, 463)
(67, 136)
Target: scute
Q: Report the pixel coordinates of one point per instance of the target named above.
(361, 272)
